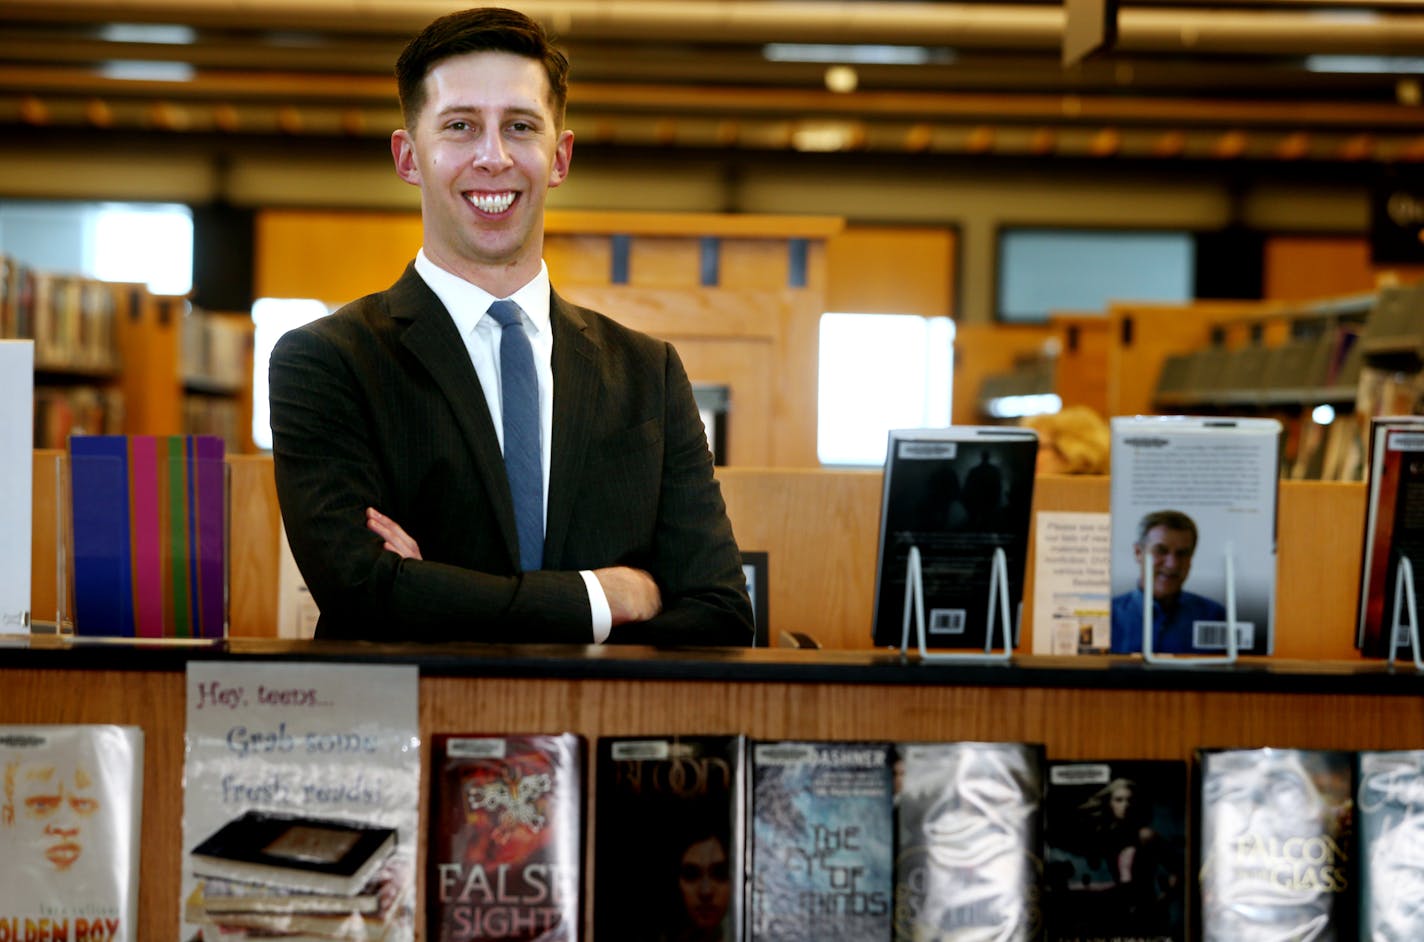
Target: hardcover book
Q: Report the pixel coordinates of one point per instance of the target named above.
(957, 494)
(1115, 851)
(17, 386)
(506, 839)
(316, 855)
(71, 815)
(668, 839)
(1391, 809)
(1275, 845)
(969, 824)
(822, 842)
(1394, 528)
(1196, 496)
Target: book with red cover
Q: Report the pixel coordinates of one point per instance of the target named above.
(506, 839)
(1393, 510)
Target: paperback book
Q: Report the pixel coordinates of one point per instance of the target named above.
(1196, 497)
(71, 816)
(822, 842)
(301, 794)
(1394, 530)
(17, 385)
(506, 839)
(1391, 809)
(668, 839)
(957, 494)
(969, 826)
(1115, 851)
(1275, 845)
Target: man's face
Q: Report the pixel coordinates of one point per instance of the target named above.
(705, 880)
(1171, 559)
(51, 806)
(485, 151)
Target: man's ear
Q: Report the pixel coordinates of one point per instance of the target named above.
(563, 157)
(403, 155)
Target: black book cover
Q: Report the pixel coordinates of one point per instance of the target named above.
(1275, 845)
(668, 838)
(1391, 809)
(506, 838)
(822, 842)
(1115, 851)
(279, 849)
(969, 826)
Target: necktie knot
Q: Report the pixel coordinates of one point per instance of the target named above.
(506, 313)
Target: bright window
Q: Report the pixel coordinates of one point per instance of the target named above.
(148, 243)
(1047, 270)
(273, 317)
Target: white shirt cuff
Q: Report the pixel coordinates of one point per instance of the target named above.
(598, 602)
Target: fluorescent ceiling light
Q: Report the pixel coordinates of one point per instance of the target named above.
(168, 34)
(137, 70)
(1368, 65)
(855, 54)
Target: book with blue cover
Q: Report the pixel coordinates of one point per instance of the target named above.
(969, 825)
(822, 842)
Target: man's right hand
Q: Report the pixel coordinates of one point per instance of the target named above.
(632, 594)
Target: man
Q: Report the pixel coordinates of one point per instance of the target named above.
(1171, 537)
(391, 427)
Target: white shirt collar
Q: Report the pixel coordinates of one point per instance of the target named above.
(468, 302)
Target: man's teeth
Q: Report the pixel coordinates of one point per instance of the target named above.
(491, 202)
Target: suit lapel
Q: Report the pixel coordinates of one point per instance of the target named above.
(576, 393)
(432, 339)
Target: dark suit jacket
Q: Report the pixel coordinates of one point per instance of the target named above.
(378, 405)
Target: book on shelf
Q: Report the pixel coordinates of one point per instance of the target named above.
(1394, 530)
(969, 819)
(1115, 850)
(668, 838)
(70, 831)
(301, 796)
(822, 846)
(1196, 496)
(17, 383)
(1390, 804)
(1275, 844)
(957, 494)
(148, 518)
(505, 843)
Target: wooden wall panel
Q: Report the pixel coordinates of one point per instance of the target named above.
(1312, 267)
(331, 256)
(891, 270)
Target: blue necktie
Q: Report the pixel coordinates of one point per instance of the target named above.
(523, 456)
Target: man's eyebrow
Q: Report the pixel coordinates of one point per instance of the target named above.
(515, 111)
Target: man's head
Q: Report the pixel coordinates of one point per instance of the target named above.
(485, 29)
(1171, 537)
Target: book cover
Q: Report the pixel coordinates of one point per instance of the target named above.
(71, 816)
(1115, 851)
(969, 826)
(1197, 496)
(506, 838)
(1275, 845)
(1394, 528)
(1391, 862)
(822, 853)
(17, 385)
(668, 838)
(957, 494)
(301, 797)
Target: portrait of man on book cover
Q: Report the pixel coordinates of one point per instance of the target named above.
(1178, 615)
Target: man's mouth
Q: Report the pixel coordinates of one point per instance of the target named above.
(491, 202)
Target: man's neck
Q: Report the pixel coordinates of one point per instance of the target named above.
(499, 280)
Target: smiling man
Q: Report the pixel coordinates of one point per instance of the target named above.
(1170, 536)
(467, 456)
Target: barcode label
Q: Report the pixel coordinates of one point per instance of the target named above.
(1212, 634)
(947, 621)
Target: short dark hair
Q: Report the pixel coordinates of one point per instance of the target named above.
(484, 29)
(1171, 519)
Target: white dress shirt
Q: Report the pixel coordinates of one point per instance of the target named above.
(468, 305)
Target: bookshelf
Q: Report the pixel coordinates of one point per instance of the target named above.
(215, 365)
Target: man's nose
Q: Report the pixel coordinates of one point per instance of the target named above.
(490, 151)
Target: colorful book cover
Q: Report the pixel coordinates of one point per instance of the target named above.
(822, 842)
(1115, 851)
(148, 518)
(1391, 810)
(17, 385)
(1275, 845)
(668, 838)
(957, 494)
(1394, 529)
(969, 825)
(506, 838)
(301, 796)
(71, 816)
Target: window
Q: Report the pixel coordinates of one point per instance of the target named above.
(1046, 270)
(148, 243)
(878, 372)
(272, 318)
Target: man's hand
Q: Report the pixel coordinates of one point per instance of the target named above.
(396, 539)
(632, 593)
